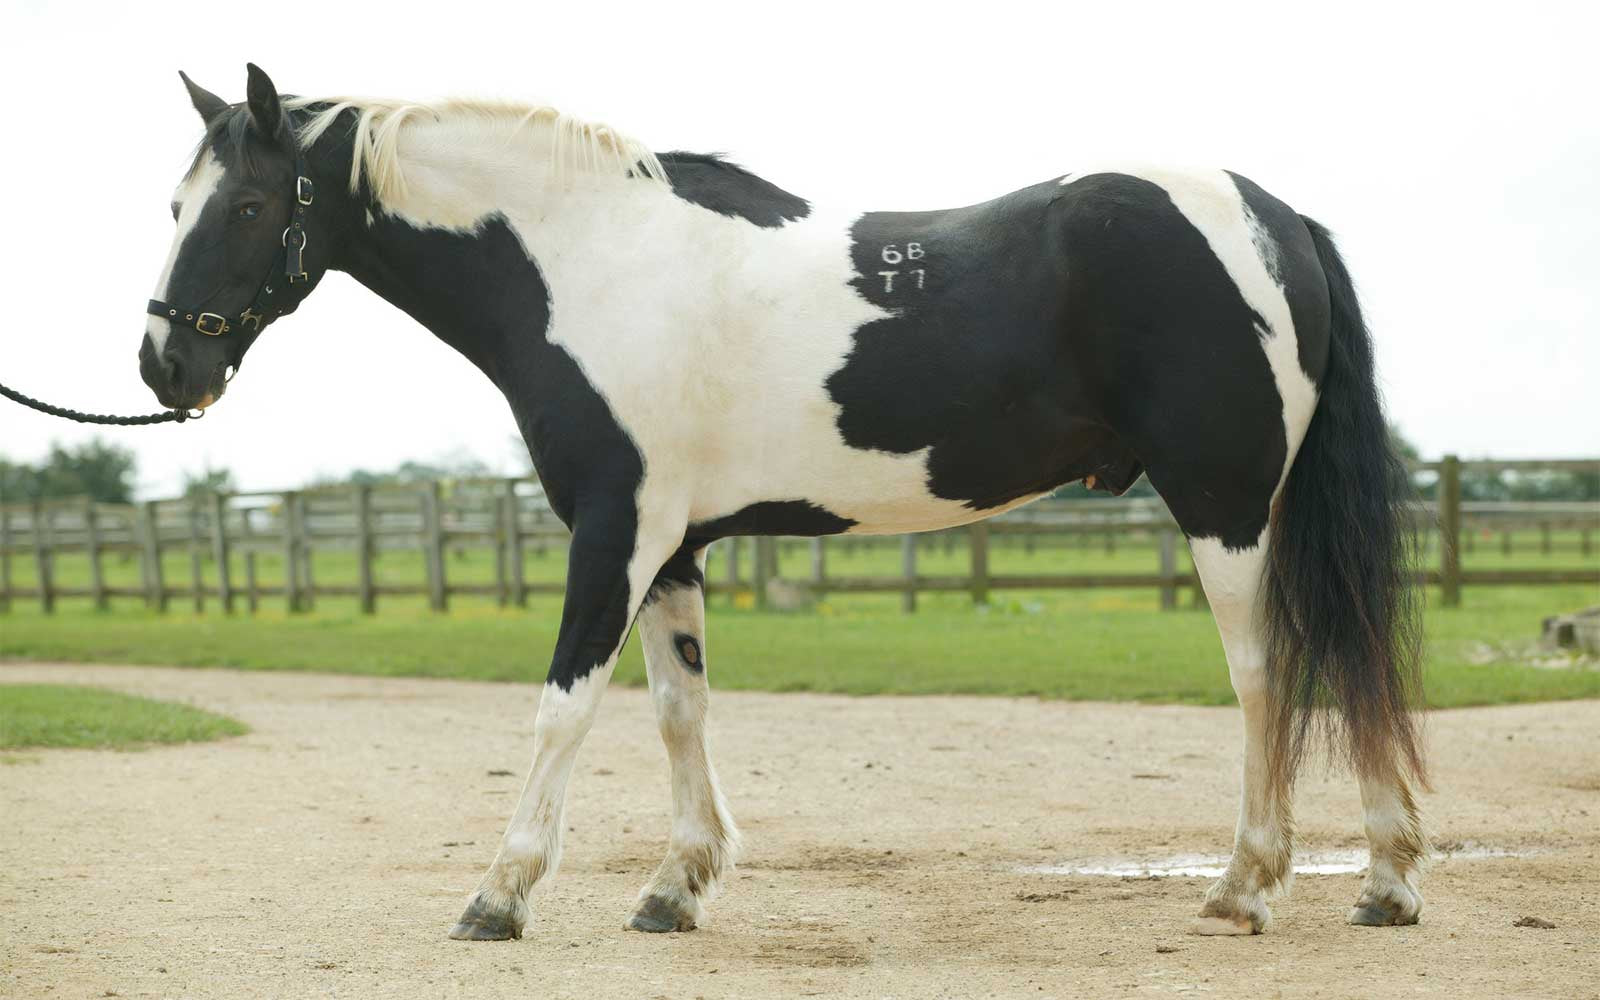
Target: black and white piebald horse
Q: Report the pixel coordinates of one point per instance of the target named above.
(692, 353)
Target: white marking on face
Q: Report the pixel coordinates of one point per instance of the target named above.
(191, 198)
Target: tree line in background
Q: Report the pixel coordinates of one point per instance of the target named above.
(106, 472)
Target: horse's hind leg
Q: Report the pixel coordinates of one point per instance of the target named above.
(1263, 840)
(704, 840)
(1398, 847)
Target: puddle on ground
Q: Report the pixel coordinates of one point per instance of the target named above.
(1212, 865)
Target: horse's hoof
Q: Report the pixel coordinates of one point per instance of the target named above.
(656, 915)
(1381, 913)
(480, 923)
(1227, 917)
(1223, 926)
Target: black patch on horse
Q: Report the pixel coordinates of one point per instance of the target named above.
(972, 362)
(688, 649)
(680, 571)
(1024, 352)
(584, 458)
(770, 517)
(1160, 363)
(707, 180)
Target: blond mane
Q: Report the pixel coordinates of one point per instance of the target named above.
(576, 145)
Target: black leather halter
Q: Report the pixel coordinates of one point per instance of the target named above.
(273, 299)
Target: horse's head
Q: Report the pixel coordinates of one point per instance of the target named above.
(239, 259)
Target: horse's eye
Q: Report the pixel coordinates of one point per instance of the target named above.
(249, 211)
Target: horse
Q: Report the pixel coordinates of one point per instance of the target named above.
(692, 353)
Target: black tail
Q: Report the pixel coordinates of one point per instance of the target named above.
(1341, 609)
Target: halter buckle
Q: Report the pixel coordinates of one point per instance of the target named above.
(303, 190)
(211, 324)
(294, 242)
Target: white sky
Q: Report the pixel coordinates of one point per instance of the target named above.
(1454, 154)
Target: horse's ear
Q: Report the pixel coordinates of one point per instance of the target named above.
(262, 97)
(208, 104)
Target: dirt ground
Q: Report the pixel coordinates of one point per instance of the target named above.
(326, 853)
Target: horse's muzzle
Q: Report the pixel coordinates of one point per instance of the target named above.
(177, 384)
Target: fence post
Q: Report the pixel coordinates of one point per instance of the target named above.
(368, 593)
(155, 586)
(5, 560)
(291, 544)
(733, 564)
(219, 551)
(908, 568)
(252, 598)
(197, 582)
(1167, 553)
(91, 544)
(519, 586)
(42, 558)
(433, 535)
(1450, 531)
(306, 549)
(819, 567)
(978, 546)
(502, 543)
(763, 569)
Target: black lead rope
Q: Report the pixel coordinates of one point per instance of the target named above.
(174, 416)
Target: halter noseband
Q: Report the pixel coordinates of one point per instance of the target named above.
(267, 305)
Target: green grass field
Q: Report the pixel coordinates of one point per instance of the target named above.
(58, 715)
(1100, 644)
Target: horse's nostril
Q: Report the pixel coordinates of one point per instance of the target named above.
(174, 369)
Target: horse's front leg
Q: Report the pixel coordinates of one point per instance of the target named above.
(609, 570)
(703, 841)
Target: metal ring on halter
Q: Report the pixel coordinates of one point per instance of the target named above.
(305, 238)
(196, 415)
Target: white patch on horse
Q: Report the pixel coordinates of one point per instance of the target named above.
(190, 197)
(774, 306)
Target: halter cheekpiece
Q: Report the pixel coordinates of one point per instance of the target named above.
(269, 303)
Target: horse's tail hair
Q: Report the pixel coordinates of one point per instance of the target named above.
(1342, 632)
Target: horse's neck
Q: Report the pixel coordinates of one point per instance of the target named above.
(456, 249)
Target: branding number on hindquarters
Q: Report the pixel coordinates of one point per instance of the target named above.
(892, 254)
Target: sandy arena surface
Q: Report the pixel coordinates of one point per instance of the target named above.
(327, 852)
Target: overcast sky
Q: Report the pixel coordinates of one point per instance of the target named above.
(1455, 156)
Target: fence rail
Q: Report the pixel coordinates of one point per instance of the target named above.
(222, 542)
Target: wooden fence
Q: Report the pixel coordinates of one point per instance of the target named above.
(220, 541)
